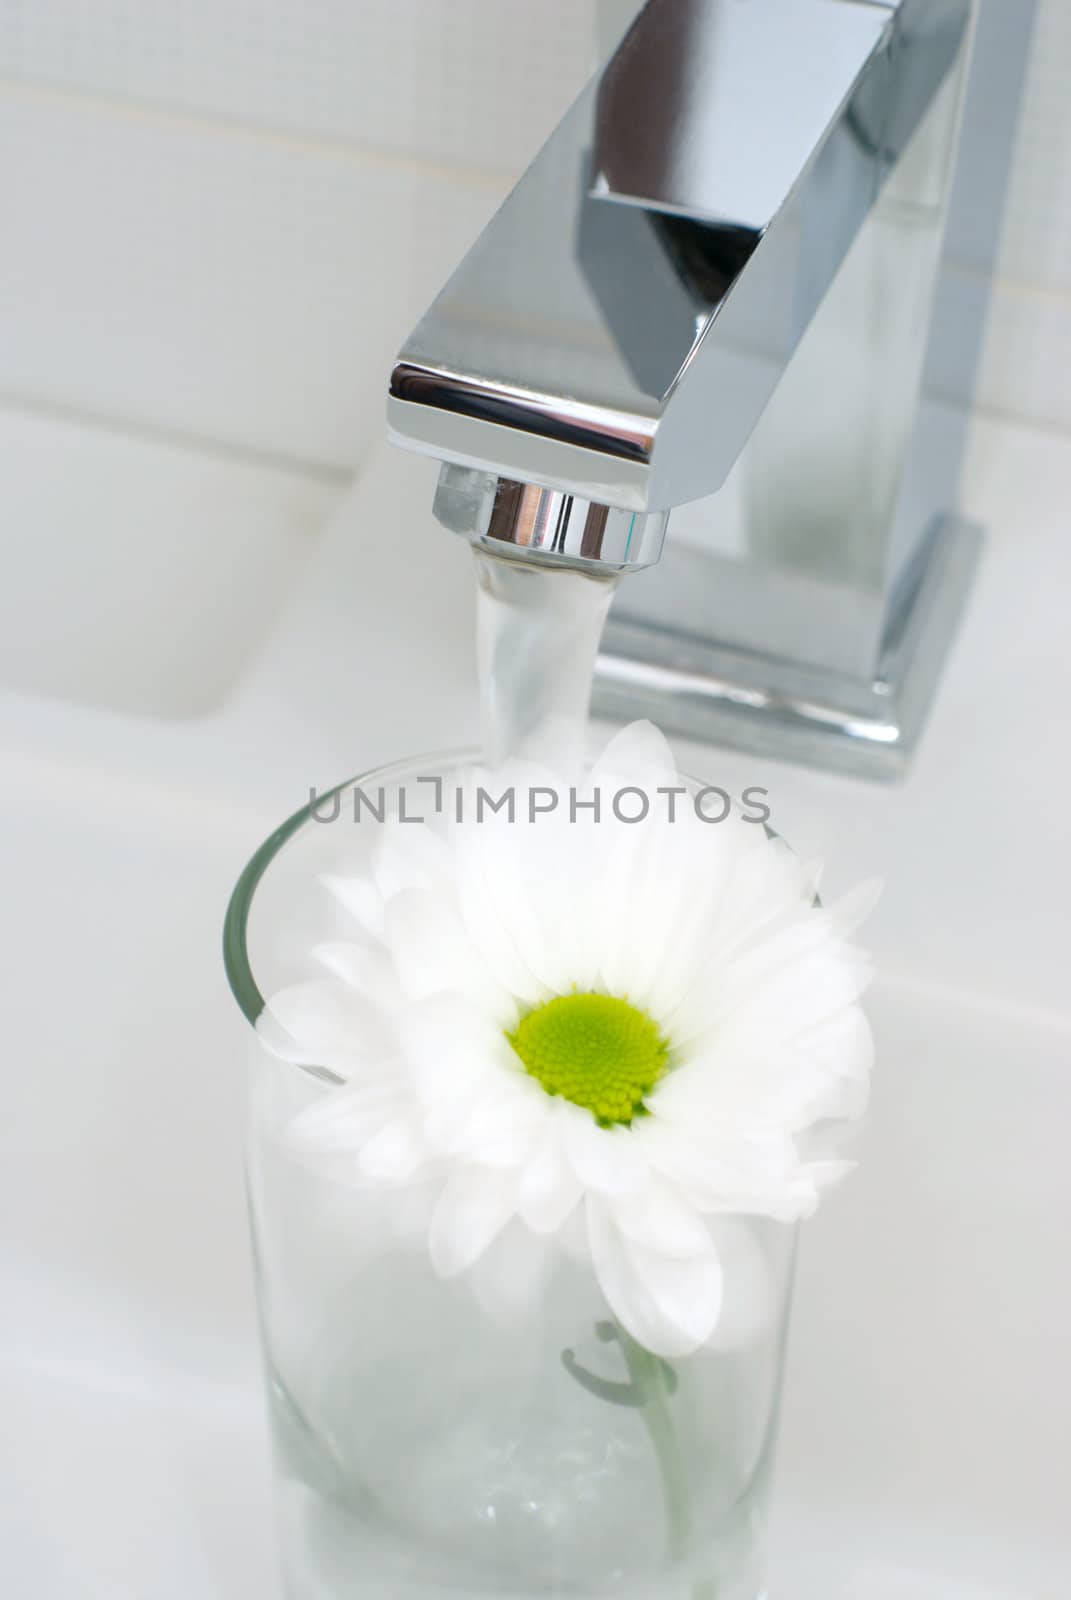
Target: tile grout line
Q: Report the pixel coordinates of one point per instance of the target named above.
(133, 108)
(1021, 288)
(1047, 427)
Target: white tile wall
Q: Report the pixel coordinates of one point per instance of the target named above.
(469, 82)
(220, 285)
(1028, 351)
(1026, 366)
(1037, 226)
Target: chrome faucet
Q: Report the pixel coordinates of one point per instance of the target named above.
(712, 291)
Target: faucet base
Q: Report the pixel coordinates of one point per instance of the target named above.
(773, 707)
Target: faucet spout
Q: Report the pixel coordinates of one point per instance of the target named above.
(619, 328)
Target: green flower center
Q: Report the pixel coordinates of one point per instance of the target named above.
(599, 1052)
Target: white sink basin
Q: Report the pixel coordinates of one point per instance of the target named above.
(140, 574)
(927, 1412)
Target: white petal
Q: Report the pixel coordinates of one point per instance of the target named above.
(572, 1238)
(701, 861)
(540, 881)
(826, 1175)
(664, 880)
(412, 855)
(832, 1065)
(446, 1120)
(511, 1275)
(630, 951)
(606, 1160)
(396, 1153)
(670, 1307)
(751, 1302)
(454, 1051)
(432, 954)
(843, 1044)
(363, 967)
(344, 1119)
(323, 1023)
(359, 898)
(688, 1291)
(490, 934)
(759, 1172)
(639, 752)
(472, 1210)
(504, 1127)
(785, 981)
(852, 909)
(549, 1188)
(659, 1219)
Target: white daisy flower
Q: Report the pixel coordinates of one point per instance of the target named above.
(625, 1031)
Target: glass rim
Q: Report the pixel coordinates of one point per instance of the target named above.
(236, 963)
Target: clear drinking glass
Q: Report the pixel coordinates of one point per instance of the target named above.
(447, 1440)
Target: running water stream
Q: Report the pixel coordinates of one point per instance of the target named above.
(538, 630)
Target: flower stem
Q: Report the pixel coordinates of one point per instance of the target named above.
(652, 1382)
